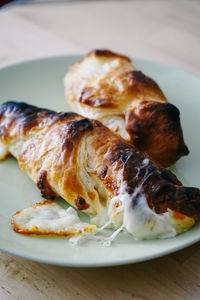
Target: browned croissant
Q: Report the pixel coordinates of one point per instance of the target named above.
(96, 171)
(106, 86)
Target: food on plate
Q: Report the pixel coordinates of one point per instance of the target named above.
(106, 86)
(49, 218)
(96, 171)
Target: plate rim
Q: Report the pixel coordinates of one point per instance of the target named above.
(118, 262)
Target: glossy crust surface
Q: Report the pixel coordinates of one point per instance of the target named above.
(106, 86)
(86, 163)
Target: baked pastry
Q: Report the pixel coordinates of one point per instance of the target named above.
(106, 86)
(96, 171)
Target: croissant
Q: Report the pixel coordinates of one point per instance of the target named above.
(96, 171)
(106, 86)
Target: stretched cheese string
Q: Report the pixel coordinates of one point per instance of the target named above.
(106, 241)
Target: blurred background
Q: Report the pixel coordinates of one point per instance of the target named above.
(166, 31)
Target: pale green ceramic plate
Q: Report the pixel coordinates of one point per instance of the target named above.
(39, 82)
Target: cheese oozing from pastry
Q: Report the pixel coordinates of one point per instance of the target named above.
(124, 211)
(49, 218)
(132, 212)
(95, 171)
(138, 219)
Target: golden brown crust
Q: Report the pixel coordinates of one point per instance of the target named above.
(61, 164)
(86, 164)
(151, 131)
(106, 84)
(142, 87)
(136, 85)
(19, 118)
(90, 97)
(44, 186)
(105, 53)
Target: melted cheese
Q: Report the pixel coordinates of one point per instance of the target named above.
(135, 215)
(50, 218)
(124, 211)
(132, 212)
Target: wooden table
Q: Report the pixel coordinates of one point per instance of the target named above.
(166, 31)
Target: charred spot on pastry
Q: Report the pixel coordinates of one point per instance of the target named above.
(169, 112)
(155, 128)
(89, 96)
(105, 176)
(186, 200)
(162, 195)
(139, 85)
(106, 53)
(86, 94)
(148, 117)
(190, 204)
(44, 186)
(24, 111)
(167, 175)
(76, 128)
(123, 152)
(164, 190)
(25, 116)
(140, 78)
(73, 131)
(64, 116)
(81, 204)
(103, 172)
(172, 111)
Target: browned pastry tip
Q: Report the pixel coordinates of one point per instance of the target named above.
(162, 188)
(106, 53)
(185, 200)
(156, 129)
(164, 192)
